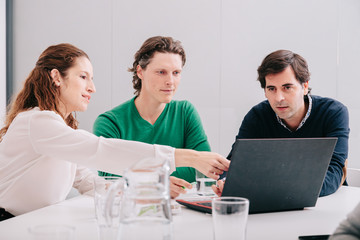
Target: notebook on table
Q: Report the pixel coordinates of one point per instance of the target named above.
(274, 174)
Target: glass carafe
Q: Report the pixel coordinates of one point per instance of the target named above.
(145, 207)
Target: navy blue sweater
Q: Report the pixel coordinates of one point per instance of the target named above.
(328, 118)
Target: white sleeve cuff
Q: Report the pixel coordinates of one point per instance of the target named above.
(166, 153)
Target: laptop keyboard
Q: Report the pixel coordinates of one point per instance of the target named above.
(207, 204)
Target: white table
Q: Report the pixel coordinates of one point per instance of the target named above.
(189, 224)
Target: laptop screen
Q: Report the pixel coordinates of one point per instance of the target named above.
(279, 174)
(276, 174)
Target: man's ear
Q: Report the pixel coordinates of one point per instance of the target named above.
(306, 87)
(139, 72)
(55, 75)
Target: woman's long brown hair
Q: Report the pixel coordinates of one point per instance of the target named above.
(39, 89)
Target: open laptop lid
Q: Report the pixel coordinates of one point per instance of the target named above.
(279, 174)
(275, 174)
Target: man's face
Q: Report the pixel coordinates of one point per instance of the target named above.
(161, 77)
(286, 96)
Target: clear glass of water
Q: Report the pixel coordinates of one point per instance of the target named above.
(108, 228)
(230, 216)
(52, 231)
(203, 184)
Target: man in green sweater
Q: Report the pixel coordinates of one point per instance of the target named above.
(152, 116)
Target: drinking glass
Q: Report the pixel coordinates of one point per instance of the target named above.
(203, 184)
(52, 231)
(108, 228)
(230, 216)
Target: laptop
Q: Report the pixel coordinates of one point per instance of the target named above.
(279, 174)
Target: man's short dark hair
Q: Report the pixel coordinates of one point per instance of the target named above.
(278, 61)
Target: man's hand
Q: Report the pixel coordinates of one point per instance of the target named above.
(219, 187)
(178, 186)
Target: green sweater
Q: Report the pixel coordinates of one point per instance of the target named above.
(179, 126)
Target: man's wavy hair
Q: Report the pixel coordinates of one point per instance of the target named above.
(146, 52)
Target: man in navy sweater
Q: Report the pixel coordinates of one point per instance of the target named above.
(291, 112)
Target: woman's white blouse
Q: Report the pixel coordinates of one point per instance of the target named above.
(41, 159)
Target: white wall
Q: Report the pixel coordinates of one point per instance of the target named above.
(225, 42)
(2, 61)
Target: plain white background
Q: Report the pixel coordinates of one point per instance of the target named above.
(225, 42)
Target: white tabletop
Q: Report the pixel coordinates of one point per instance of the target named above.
(189, 224)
